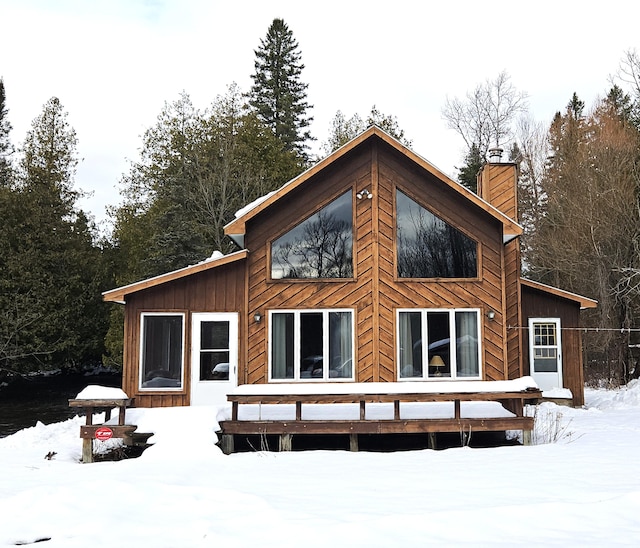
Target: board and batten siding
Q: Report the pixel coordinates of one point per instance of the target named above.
(375, 292)
(221, 289)
(539, 304)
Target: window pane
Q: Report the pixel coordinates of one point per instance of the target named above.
(439, 344)
(467, 362)
(282, 346)
(428, 247)
(340, 345)
(319, 247)
(545, 361)
(214, 366)
(162, 352)
(311, 335)
(214, 335)
(545, 334)
(410, 331)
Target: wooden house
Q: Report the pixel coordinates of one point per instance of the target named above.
(370, 267)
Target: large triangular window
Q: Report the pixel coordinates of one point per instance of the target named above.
(319, 247)
(429, 247)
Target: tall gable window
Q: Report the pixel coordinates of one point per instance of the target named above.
(319, 247)
(428, 247)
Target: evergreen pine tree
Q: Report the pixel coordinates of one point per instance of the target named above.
(468, 173)
(343, 129)
(196, 170)
(52, 276)
(278, 95)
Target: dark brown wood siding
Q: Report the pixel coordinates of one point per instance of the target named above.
(220, 289)
(513, 312)
(538, 304)
(375, 292)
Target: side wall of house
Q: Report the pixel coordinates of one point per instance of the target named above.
(376, 293)
(537, 304)
(220, 289)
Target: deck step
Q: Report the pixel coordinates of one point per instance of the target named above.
(138, 439)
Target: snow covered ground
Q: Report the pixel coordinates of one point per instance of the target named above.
(583, 490)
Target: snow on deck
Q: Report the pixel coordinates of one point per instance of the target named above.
(411, 387)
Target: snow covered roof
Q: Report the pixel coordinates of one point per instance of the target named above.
(585, 302)
(236, 228)
(217, 259)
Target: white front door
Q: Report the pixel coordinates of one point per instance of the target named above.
(545, 352)
(214, 357)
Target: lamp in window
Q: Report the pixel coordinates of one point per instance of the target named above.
(437, 362)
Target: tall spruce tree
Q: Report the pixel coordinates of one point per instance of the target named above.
(468, 173)
(278, 95)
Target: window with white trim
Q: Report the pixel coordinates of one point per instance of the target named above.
(438, 344)
(162, 351)
(311, 345)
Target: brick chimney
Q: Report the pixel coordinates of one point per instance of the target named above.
(498, 184)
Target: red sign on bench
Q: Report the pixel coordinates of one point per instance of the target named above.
(104, 433)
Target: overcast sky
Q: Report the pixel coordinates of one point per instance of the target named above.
(114, 63)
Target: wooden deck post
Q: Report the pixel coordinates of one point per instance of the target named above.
(298, 410)
(285, 442)
(226, 443)
(234, 411)
(353, 442)
(526, 437)
(432, 441)
(87, 450)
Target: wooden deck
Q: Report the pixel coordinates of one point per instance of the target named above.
(368, 422)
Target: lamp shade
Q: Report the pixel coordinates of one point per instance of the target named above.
(436, 361)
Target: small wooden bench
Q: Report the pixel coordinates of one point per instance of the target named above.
(90, 431)
(511, 400)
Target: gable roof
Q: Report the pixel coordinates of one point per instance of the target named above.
(118, 295)
(585, 302)
(237, 228)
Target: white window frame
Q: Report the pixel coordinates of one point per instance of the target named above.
(181, 388)
(425, 347)
(556, 321)
(325, 344)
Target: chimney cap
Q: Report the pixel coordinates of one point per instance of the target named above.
(495, 154)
